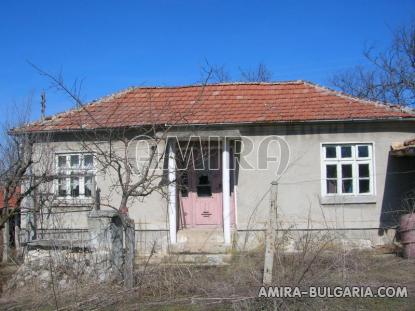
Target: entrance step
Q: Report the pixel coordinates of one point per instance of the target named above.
(198, 259)
(200, 241)
(204, 247)
(184, 259)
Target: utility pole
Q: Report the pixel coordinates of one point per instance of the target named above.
(270, 236)
(42, 105)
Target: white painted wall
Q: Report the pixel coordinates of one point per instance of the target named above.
(299, 188)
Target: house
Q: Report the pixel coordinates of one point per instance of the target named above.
(329, 152)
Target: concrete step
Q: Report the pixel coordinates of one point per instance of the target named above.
(200, 235)
(194, 241)
(199, 259)
(186, 259)
(195, 247)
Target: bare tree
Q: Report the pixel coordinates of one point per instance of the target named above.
(216, 73)
(133, 159)
(220, 74)
(18, 178)
(260, 74)
(390, 76)
(116, 149)
(113, 147)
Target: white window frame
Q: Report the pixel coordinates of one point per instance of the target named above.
(354, 160)
(80, 172)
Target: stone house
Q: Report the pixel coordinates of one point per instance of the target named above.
(330, 153)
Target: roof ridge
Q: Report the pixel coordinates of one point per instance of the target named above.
(56, 119)
(132, 88)
(220, 83)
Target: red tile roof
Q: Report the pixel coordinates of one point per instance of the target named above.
(219, 103)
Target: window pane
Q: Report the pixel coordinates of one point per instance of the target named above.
(74, 186)
(347, 171)
(362, 151)
(330, 152)
(62, 187)
(331, 186)
(88, 186)
(347, 186)
(88, 161)
(204, 191)
(346, 151)
(74, 160)
(363, 170)
(204, 188)
(331, 171)
(62, 161)
(364, 186)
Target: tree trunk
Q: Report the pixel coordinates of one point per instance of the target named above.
(129, 253)
(6, 242)
(123, 205)
(17, 240)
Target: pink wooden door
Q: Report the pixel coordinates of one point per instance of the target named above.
(208, 196)
(200, 192)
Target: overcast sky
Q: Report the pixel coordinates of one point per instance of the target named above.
(111, 45)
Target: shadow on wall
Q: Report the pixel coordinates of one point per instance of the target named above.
(400, 178)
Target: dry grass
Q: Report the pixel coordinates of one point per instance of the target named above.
(234, 287)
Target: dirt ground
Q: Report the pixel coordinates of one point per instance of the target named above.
(231, 287)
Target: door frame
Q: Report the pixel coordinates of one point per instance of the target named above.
(193, 179)
(174, 204)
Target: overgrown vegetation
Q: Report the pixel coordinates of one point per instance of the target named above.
(318, 261)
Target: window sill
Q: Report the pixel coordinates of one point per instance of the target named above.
(352, 199)
(76, 201)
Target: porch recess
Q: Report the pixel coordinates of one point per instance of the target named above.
(226, 191)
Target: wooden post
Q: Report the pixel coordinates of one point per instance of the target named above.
(270, 236)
